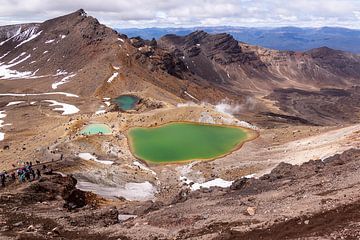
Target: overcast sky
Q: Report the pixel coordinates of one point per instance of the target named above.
(182, 13)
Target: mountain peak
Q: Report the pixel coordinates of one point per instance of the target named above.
(196, 37)
(82, 12)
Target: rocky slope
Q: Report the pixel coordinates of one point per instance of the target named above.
(75, 50)
(16, 32)
(59, 76)
(317, 200)
(221, 59)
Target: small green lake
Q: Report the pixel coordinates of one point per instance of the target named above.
(126, 102)
(96, 128)
(180, 142)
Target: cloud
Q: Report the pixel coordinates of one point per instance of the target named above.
(146, 13)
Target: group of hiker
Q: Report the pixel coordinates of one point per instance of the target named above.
(23, 174)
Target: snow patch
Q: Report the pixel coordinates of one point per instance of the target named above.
(89, 156)
(32, 36)
(50, 41)
(7, 73)
(217, 182)
(6, 40)
(9, 38)
(15, 59)
(130, 191)
(62, 81)
(4, 55)
(120, 39)
(60, 72)
(14, 103)
(2, 116)
(250, 175)
(115, 74)
(188, 94)
(100, 111)
(67, 109)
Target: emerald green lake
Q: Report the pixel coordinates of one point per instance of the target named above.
(176, 142)
(126, 102)
(96, 128)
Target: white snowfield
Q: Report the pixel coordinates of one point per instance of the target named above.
(217, 182)
(38, 94)
(115, 74)
(89, 156)
(7, 73)
(67, 109)
(62, 81)
(130, 191)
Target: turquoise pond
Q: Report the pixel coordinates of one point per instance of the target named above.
(96, 128)
(126, 102)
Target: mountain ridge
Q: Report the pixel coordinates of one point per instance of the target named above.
(279, 38)
(198, 59)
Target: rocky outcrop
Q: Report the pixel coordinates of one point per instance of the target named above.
(325, 107)
(221, 60)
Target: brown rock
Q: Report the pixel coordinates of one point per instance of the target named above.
(251, 211)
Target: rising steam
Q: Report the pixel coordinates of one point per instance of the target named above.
(228, 108)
